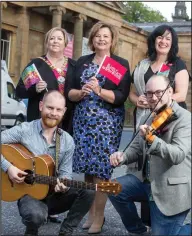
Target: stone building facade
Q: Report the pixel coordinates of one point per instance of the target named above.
(24, 25)
(180, 12)
(27, 23)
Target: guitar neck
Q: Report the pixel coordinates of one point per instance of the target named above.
(51, 180)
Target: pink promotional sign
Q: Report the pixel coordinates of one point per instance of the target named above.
(165, 67)
(68, 51)
(112, 69)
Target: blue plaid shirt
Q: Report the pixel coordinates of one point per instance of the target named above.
(30, 135)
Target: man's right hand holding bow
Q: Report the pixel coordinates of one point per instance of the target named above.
(116, 158)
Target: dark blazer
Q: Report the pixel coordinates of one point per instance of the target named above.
(52, 84)
(121, 91)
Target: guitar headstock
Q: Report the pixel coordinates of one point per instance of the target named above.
(110, 187)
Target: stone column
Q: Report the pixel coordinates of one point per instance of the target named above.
(78, 35)
(57, 12)
(3, 5)
(22, 51)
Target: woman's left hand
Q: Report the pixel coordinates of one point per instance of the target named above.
(142, 102)
(94, 84)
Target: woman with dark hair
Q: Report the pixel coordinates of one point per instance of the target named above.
(162, 59)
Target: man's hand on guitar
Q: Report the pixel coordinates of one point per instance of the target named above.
(116, 158)
(60, 187)
(16, 175)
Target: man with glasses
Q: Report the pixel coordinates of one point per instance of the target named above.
(165, 179)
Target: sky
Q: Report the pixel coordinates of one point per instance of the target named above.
(167, 8)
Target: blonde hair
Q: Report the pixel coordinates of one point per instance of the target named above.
(51, 31)
(96, 28)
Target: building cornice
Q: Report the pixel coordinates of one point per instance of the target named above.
(111, 7)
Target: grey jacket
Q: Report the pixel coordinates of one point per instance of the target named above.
(170, 163)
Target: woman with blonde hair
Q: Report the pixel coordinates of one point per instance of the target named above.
(53, 68)
(98, 117)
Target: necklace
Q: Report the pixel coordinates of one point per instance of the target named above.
(97, 61)
(59, 62)
(60, 73)
(59, 70)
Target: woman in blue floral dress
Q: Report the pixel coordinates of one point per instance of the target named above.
(97, 131)
(99, 115)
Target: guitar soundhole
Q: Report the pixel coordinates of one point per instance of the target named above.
(29, 179)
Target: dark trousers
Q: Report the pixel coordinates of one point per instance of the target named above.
(34, 212)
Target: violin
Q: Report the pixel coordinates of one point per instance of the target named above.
(158, 122)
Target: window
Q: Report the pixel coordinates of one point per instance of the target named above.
(5, 45)
(10, 90)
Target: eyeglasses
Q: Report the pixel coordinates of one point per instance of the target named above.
(158, 93)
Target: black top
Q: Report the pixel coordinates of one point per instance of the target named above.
(121, 91)
(175, 68)
(34, 98)
(179, 65)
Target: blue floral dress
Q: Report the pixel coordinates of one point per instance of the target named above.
(97, 131)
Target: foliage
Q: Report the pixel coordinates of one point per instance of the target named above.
(129, 107)
(138, 12)
(129, 104)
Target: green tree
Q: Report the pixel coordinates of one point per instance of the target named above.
(138, 12)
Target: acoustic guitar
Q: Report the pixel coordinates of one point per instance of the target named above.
(40, 171)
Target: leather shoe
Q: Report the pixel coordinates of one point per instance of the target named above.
(146, 233)
(96, 230)
(54, 219)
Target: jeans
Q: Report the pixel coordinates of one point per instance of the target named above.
(34, 212)
(133, 190)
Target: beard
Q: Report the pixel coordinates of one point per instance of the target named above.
(49, 121)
